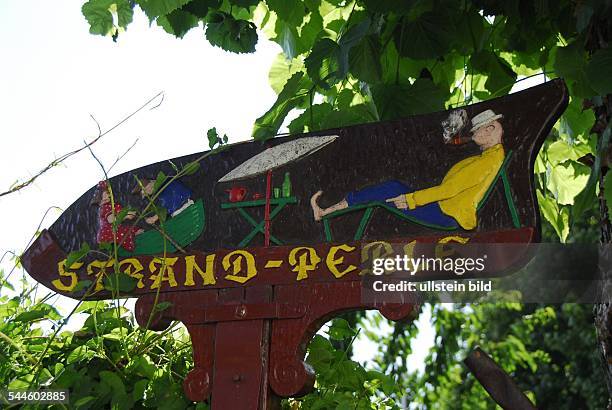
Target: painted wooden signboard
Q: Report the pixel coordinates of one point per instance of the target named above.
(267, 240)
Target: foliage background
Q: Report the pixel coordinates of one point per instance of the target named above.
(347, 62)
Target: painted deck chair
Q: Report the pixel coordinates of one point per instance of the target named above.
(369, 208)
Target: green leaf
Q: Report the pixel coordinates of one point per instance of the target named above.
(364, 60)
(121, 216)
(599, 71)
(576, 121)
(268, 124)
(388, 6)
(85, 402)
(159, 181)
(392, 73)
(76, 256)
(98, 16)
(347, 41)
(139, 389)
(199, 8)
(237, 36)
(44, 311)
(281, 70)
(310, 31)
(558, 218)
(320, 354)
(291, 11)
(570, 61)
(213, 137)
(120, 282)
(560, 151)
(317, 112)
(91, 306)
(79, 354)
(161, 306)
(120, 399)
(566, 181)
(156, 8)
(144, 366)
(178, 23)
(125, 13)
(340, 329)
(398, 101)
(215, 141)
(586, 198)
(82, 285)
(426, 37)
(244, 3)
(191, 168)
(500, 77)
(287, 38)
(322, 63)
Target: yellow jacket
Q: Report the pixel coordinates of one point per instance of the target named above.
(462, 187)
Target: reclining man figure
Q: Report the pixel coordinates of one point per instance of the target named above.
(451, 204)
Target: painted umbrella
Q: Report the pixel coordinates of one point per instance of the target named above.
(272, 158)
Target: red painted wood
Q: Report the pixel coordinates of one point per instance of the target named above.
(239, 359)
(198, 383)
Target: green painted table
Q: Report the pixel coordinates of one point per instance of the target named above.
(258, 227)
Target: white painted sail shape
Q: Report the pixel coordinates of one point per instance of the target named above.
(278, 156)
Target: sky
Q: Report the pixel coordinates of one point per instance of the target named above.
(55, 76)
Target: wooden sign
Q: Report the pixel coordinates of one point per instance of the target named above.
(266, 241)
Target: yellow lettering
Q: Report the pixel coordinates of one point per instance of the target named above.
(101, 267)
(442, 251)
(166, 272)
(251, 269)
(61, 270)
(132, 268)
(332, 262)
(303, 259)
(374, 250)
(207, 275)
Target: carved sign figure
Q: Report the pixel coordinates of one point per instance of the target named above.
(251, 292)
(453, 202)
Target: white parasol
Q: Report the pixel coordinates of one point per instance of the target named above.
(275, 157)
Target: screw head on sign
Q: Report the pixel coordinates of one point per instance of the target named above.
(241, 311)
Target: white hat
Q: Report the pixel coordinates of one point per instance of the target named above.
(483, 119)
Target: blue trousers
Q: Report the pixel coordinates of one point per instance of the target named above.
(430, 213)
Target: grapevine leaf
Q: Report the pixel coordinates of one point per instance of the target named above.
(98, 15)
(281, 70)
(364, 60)
(322, 62)
(199, 8)
(293, 92)
(424, 38)
(291, 11)
(238, 36)
(156, 8)
(244, 3)
(397, 101)
(178, 22)
(599, 71)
